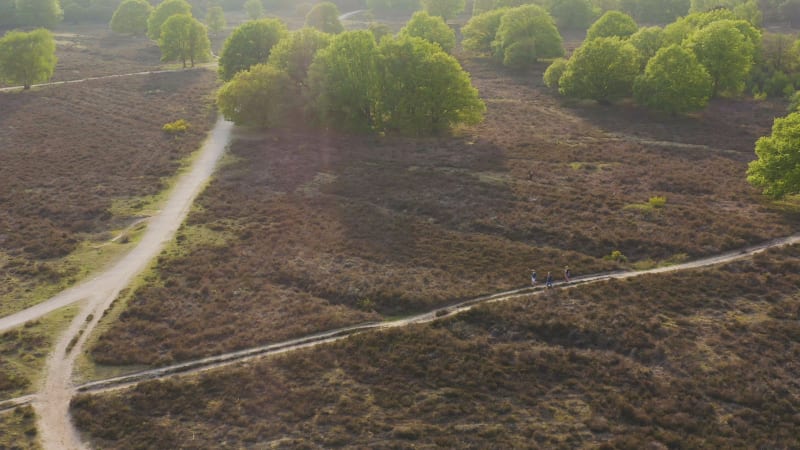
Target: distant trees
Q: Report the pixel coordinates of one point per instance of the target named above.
(480, 30)
(431, 28)
(262, 96)
(655, 11)
(294, 53)
(612, 23)
(131, 17)
(38, 13)
(184, 38)
(393, 6)
(647, 42)
(249, 44)
(601, 69)
(325, 17)
(163, 12)
(777, 169)
(446, 9)
(525, 34)
(572, 14)
(725, 52)
(674, 82)
(27, 58)
(215, 20)
(254, 9)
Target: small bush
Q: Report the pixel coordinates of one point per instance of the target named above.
(657, 201)
(178, 126)
(616, 255)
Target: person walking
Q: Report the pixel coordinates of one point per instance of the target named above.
(533, 277)
(567, 274)
(549, 280)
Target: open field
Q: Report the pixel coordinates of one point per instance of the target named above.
(19, 429)
(80, 161)
(303, 231)
(704, 358)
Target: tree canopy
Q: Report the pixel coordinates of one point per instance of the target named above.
(480, 30)
(262, 96)
(215, 20)
(777, 169)
(648, 40)
(163, 12)
(325, 17)
(184, 38)
(612, 23)
(38, 13)
(525, 34)
(446, 9)
(655, 11)
(431, 28)
(554, 72)
(131, 17)
(572, 14)
(601, 69)
(27, 58)
(674, 82)
(726, 53)
(254, 9)
(295, 53)
(424, 90)
(249, 44)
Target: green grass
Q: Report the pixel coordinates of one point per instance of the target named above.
(24, 350)
(18, 429)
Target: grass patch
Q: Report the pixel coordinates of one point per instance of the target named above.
(18, 429)
(24, 350)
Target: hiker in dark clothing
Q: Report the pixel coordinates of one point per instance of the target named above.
(533, 277)
(567, 274)
(549, 280)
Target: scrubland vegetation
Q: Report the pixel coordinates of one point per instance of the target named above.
(705, 358)
(19, 429)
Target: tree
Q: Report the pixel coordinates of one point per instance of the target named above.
(262, 96)
(777, 169)
(648, 40)
(27, 58)
(184, 38)
(750, 12)
(525, 34)
(601, 69)
(656, 11)
(163, 12)
(425, 90)
(295, 53)
(681, 29)
(325, 17)
(254, 9)
(379, 30)
(480, 30)
(446, 9)
(725, 52)
(554, 72)
(481, 6)
(249, 44)
(612, 23)
(38, 13)
(431, 28)
(572, 14)
(131, 17)
(673, 82)
(215, 20)
(344, 82)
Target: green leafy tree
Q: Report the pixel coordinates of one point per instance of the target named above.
(479, 32)
(525, 34)
(554, 72)
(325, 17)
(425, 90)
(27, 58)
(777, 169)
(249, 44)
(790, 11)
(38, 13)
(431, 28)
(184, 38)
(572, 14)
(601, 69)
(262, 96)
(648, 40)
(726, 53)
(295, 53)
(674, 82)
(681, 29)
(254, 9)
(481, 6)
(750, 12)
(131, 17)
(163, 12)
(215, 20)
(612, 23)
(656, 11)
(379, 30)
(344, 82)
(446, 9)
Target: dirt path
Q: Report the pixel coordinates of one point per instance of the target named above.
(52, 402)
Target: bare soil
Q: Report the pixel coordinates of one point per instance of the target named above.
(305, 230)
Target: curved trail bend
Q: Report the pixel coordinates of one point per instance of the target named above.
(52, 402)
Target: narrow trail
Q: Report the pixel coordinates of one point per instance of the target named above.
(96, 295)
(236, 357)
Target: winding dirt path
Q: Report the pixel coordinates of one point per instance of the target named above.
(96, 295)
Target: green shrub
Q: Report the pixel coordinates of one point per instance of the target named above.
(657, 202)
(178, 126)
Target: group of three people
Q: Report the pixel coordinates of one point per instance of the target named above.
(548, 281)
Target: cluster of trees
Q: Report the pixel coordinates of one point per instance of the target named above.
(348, 81)
(517, 37)
(675, 69)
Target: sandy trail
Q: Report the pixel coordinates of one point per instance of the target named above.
(96, 295)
